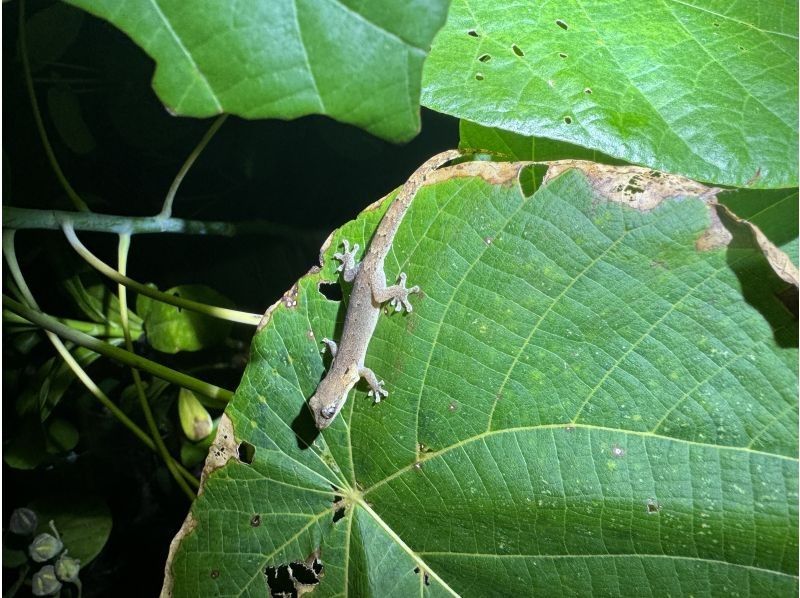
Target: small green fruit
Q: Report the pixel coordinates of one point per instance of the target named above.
(44, 582)
(44, 547)
(23, 522)
(67, 568)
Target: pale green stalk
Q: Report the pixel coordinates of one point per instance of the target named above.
(122, 258)
(209, 310)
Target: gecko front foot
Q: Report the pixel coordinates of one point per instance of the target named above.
(397, 295)
(332, 346)
(376, 388)
(349, 268)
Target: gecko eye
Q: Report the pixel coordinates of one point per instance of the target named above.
(328, 412)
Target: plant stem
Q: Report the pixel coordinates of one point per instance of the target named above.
(214, 395)
(122, 260)
(14, 588)
(166, 210)
(105, 330)
(37, 116)
(80, 373)
(26, 218)
(102, 267)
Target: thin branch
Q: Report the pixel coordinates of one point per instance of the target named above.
(37, 116)
(26, 218)
(166, 210)
(209, 310)
(122, 260)
(212, 396)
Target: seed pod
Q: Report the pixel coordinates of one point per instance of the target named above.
(44, 547)
(67, 568)
(23, 522)
(45, 582)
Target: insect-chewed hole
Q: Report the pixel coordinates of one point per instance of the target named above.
(588, 90)
(247, 452)
(562, 54)
(517, 50)
(285, 580)
(568, 120)
(484, 58)
(562, 24)
(338, 502)
(473, 33)
(479, 76)
(331, 290)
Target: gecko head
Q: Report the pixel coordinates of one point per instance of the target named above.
(324, 410)
(331, 395)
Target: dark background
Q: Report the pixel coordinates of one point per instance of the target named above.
(310, 175)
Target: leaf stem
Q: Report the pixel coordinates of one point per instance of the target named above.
(166, 210)
(37, 116)
(214, 396)
(102, 267)
(105, 330)
(122, 261)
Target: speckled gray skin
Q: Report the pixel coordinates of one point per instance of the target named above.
(368, 294)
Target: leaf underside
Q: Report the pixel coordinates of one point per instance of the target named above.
(359, 63)
(705, 89)
(581, 402)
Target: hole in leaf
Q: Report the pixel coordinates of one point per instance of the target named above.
(331, 290)
(484, 57)
(741, 48)
(588, 90)
(517, 50)
(472, 33)
(294, 579)
(568, 120)
(339, 512)
(479, 76)
(214, 573)
(715, 24)
(255, 520)
(653, 506)
(246, 452)
(562, 24)
(562, 55)
(426, 578)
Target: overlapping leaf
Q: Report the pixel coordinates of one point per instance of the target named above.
(706, 89)
(582, 402)
(360, 63)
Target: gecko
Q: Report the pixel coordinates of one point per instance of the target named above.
(368, 295)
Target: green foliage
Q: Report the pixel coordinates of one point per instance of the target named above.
(589, 398)
(83, 522)
(705, 90)
(171, 329)
(580, 393)
(359, 63)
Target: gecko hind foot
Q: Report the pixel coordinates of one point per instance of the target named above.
(397, 295)
(349, 268)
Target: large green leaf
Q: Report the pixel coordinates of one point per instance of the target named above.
(588, 399)
(358, 62)
(706, 89)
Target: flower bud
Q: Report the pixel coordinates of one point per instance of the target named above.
(44, 547)
(44, 582)
(23, 522)
(67, 568)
